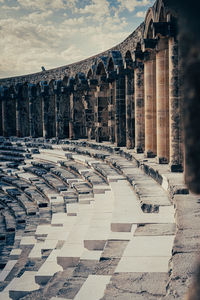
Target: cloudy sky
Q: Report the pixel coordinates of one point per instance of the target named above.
(52, 33)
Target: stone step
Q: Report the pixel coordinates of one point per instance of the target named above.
(14, 207)
(20, 287)
(100, 224)
(48, 269)
(92, 220)
(93, 288)
(7, 269)
(146, 254)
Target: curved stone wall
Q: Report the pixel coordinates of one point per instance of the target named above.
(128, 95)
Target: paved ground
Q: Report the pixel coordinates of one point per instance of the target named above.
(81, 220)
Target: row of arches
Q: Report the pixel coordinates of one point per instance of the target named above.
(131, 100)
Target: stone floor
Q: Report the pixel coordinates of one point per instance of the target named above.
(82, 220)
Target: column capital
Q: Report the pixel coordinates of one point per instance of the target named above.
(3, 91)
(149, 44)
(44, 88)
(165, 29)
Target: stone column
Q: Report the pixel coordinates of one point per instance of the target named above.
(111, 111)
(1, 116)
(61, 110)
(139, 108)
(62, 98)
(32, 98)
(162, 100)
(38, 114)
(130, 115)
(58, 115)
(150, 103)
(120, 111)
(101, 111)
(78, 112)
(71, 117)
(175, 141)
(9, 114)
(48, 109)
(45, 105)
(65, 101)
(18, 131)
(89, 103)
(45, 116)
(22, 112)
(31, 117)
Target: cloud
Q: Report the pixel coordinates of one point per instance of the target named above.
(41, 32)
(74, 21)
(36, 17)
(130, 5)
(141, 14)
(6, 7)
(47, 4)
(98, 8)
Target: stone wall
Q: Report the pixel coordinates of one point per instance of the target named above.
(128, 95)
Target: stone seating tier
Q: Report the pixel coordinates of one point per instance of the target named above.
(96, 232)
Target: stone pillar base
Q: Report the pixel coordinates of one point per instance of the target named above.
(162, 160)
(149, 154)
(176, 168)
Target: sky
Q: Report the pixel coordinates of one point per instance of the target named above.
(53, 33)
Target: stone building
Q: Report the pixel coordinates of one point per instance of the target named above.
(135, 105)
(128, 95)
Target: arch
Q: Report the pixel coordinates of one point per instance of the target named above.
(115, 60)
(80, 77)
(138, 47)
(128, 60)
(149, 19)
(90, 74)
(51, 84)
(111, 65)
(100, 66)
(160, 13)
(65, 80)
(100, 70)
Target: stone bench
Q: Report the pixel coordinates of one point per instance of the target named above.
(17, 211)
(37, 197)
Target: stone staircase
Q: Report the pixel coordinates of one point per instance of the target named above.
(95, 226)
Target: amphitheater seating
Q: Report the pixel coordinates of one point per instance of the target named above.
(75, 207)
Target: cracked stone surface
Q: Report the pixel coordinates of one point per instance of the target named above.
(137, 286)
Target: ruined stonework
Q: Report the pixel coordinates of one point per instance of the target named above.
(128, 95)
(93, 203)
